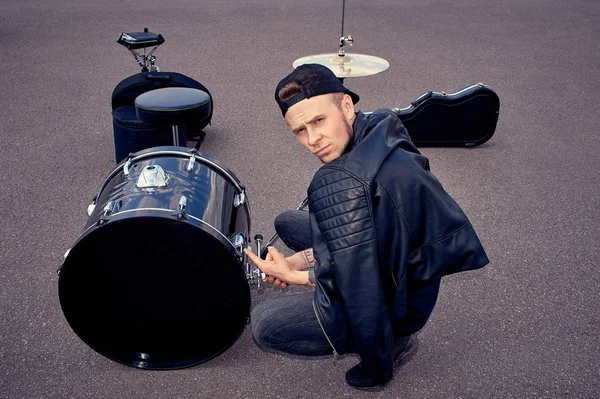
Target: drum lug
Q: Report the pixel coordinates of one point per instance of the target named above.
(181, 205)
(126, 167)
(92, 206)
(152, 176)
(111, 208)
(191, 163)
(239, 199)
(238, 242)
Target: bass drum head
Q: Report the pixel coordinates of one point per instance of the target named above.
(155, 292)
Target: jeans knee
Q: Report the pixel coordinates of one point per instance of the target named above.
(262, 327)
(282, 222)
(293, 227)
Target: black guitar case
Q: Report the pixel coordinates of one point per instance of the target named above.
(463, 119)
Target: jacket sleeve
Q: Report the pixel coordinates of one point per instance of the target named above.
(343, 214)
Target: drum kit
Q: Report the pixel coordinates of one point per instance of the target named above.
(158, 278)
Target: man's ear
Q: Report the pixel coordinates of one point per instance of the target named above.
(348, 106)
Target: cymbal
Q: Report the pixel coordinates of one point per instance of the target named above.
(347, 66)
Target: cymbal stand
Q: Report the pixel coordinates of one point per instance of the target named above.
(344, 40)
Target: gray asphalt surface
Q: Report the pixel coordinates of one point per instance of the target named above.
(526, 326)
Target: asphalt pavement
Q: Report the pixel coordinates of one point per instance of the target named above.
(525, 326)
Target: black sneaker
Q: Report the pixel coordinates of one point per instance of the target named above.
(405, 349)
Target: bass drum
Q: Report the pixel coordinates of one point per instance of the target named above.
(156, 280)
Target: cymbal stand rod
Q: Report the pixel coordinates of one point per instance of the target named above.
(343, 12)
(344, 40)
(341, 51)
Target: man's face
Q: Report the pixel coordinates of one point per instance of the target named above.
(321, 126)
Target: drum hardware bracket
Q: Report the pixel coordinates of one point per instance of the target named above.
(182, 203)
(181, 208)
(345, 41)
(92, 206)
(248, 266)
(239, 199)
(259, 274)
(255, 276)
(146, 61)
(126, 167)
(152, 176)
(109, 209)
(238, 242)
(191, 162)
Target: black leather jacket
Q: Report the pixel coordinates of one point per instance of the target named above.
(381, 221)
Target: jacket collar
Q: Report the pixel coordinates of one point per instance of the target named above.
(359, 131)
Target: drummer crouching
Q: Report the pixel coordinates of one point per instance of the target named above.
(380, 234)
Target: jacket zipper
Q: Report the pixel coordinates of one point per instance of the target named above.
(394, 278)
(335, 354)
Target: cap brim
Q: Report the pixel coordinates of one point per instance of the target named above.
(354, 96)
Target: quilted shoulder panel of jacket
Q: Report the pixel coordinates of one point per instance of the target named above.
(342, 209)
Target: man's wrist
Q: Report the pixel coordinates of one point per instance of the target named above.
(311, 277)
(309, 259)
(300, 278)
(302, 260)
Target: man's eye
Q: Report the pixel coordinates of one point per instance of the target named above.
(300, 130)
(319, 120)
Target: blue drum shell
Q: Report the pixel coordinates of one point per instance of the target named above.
(150, 286)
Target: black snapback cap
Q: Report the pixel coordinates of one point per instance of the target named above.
(314, 80)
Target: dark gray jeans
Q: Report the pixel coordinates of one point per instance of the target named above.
(288, 323)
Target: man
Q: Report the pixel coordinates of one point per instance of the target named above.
(382, 234)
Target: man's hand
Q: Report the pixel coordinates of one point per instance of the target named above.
(280, 271)
(272, 280)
